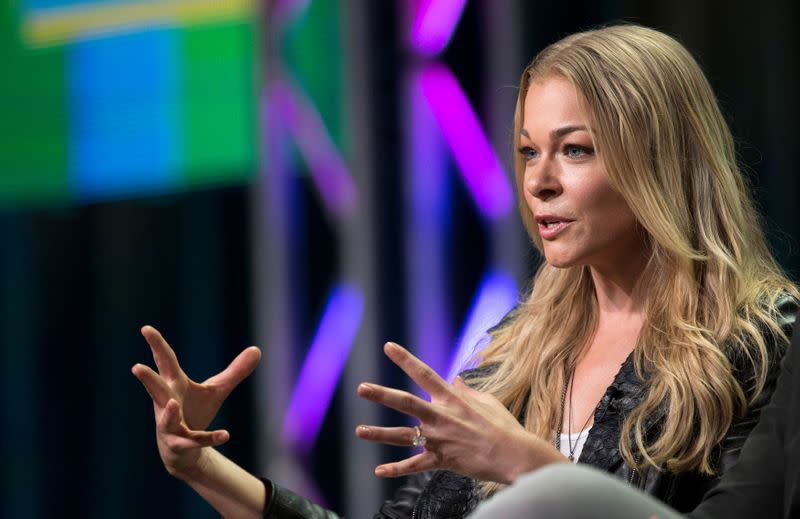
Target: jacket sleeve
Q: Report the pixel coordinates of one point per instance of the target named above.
(285, 504)
(402, 504)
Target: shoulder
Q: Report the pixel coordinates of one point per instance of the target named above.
(781, 315)
(787, 307)
(507, 319)
(746, 362)
(472, 375)
(482, 371)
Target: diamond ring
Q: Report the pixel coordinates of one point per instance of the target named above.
(419, 440)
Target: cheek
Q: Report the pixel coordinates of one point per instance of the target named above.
(618, 222)
(606, 209)
(530, 201)
(618, 209)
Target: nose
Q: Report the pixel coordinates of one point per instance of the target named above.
(542, 179)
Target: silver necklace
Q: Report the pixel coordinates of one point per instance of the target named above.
(571, 383)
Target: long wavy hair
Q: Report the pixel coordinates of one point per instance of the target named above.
(713, 287)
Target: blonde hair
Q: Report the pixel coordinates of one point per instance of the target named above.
(713, 287)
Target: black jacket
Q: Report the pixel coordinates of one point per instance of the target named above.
(446, 495)
(766, 481)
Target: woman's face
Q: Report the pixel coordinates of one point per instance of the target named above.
(580, 218)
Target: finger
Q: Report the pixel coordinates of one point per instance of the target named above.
(398, 400)
(170, 423)
(397, 436)
(170, 420)
(421, 462)
(208, 438)
(462, 389)
(239, 369)
(156, 387)
(165, 358)
(459, 382)
(196, 440)
(180, 438)
(419, 372)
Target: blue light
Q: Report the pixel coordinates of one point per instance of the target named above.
(496, 296)
(322, 367)
(124, 98)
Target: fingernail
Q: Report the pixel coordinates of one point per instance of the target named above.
(365, 387)
(380, 471)
(363, 429)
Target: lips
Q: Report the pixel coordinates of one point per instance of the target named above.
(551, 226)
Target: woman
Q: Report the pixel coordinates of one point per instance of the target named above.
(647, 344)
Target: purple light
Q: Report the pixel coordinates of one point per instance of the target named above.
(322, 367)
(328, 169)
(428, 200)
(285, 12)
(434, 24)
(278, 164)
(496, 296)
(482, 172)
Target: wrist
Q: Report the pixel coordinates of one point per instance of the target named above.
(534, 453)
(197, 468)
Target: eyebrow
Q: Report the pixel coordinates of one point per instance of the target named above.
(559, 132)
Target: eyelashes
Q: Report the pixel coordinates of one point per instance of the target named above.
(571, 151)
(527, 152)
(576, 151)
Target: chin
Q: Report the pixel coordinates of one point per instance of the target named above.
(560, 263)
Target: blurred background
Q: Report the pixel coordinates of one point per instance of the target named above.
(312, 176)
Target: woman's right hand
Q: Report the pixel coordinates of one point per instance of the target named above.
(184, 408)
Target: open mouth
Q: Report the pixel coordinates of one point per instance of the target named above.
(549, 229)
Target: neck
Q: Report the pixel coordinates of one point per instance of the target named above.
(618, 289)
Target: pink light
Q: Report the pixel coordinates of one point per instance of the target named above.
(434, 24)
(482, 172)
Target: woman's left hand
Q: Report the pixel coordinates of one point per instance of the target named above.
(466, 431)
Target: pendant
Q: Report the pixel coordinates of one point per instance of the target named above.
(571, 457)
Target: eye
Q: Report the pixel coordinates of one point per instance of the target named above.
(575, 151)
(527, 152)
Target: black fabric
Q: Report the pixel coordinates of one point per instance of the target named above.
(766, 480)
(445, 495)
(284, 504)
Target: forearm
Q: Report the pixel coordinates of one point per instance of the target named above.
(231, 490)
(529, 454)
